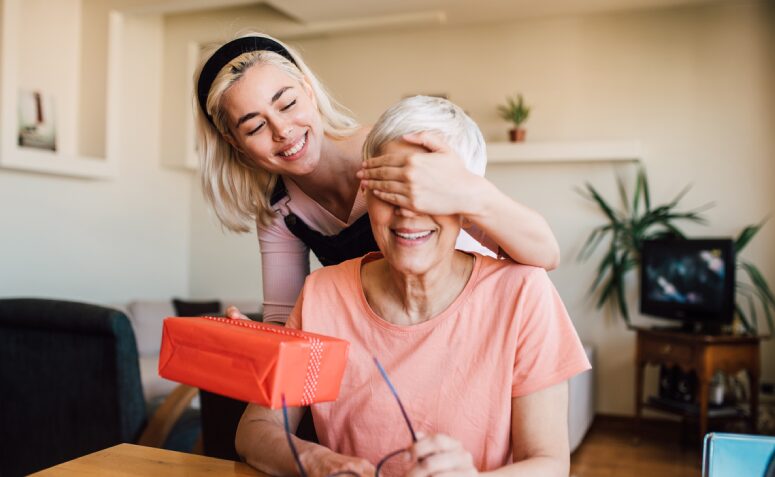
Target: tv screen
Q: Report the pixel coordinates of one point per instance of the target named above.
(688, 280)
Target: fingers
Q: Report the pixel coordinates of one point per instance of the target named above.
(384, 173)
(394, 198)
(385, 160)
(436, 443)
(441, 455)
(348, 466)
(386, 186)
(234, 313)
(431, 141)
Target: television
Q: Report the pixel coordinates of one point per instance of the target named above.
(691, 281)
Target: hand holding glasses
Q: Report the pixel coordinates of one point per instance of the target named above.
(382, 461)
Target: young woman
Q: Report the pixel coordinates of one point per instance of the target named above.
(479, 349)
(278, 152)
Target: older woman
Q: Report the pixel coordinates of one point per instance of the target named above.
(479, 349)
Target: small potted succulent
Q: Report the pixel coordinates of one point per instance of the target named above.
(516, 111)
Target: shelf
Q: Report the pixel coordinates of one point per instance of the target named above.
(574, 151)
(693, 409)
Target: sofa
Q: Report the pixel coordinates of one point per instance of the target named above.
(146, 317)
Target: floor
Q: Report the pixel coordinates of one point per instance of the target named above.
(610, 449)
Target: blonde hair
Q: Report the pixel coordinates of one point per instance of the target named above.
(427, 113)
(238, 190)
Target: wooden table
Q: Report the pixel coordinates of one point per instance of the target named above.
(703, 354)
(133, 460)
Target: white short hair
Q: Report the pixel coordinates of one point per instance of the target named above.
(426, 113)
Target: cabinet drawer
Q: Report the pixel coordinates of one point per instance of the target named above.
(662, 352)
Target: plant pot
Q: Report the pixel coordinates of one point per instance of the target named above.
(517, 134)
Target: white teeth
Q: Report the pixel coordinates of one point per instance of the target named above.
(296, 148)
(414, 236)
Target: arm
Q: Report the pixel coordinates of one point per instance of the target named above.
(421, 182)
(284, 266)
(539, 431)
(262, 443)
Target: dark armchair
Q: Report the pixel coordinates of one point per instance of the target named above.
(70, 385)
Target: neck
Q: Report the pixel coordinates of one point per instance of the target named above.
(410, 299)
(333, 183)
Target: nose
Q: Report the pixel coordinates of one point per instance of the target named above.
(281, 129)
(404, 212)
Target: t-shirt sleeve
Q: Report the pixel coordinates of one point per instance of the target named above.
(548, 349)
(284, 265)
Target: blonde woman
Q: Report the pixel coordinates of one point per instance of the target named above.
(278, 152)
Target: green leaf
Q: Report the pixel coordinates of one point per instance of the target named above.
(605, 293)
(759, 281)
(636, 195)
(768, 314)
(680, 196)
(746, 235)
(603, 204)
(598, 233)
(744, 320)
(622, 193)
(602, 269)
(646, 195)
(752, 308)
(620, 296)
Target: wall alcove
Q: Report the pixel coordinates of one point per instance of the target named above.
(56, 118)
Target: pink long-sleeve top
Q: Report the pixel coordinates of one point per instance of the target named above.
(285, 258)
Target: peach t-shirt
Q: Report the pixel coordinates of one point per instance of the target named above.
(506, 335)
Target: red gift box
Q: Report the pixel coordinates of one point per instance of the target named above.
(251, 361)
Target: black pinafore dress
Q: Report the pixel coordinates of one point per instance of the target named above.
(353, 241)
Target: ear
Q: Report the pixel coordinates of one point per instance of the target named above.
(232, 142)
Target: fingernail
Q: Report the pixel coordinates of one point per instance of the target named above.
(359, 174)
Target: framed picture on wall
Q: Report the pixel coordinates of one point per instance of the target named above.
(37, 120)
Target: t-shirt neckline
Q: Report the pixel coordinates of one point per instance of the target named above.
(449, 311)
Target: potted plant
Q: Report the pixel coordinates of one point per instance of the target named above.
(516, 111)
(637, 221)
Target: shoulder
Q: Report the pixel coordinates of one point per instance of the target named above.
(495, 268)
(333, 275)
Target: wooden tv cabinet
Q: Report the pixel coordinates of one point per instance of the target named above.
(703, 354)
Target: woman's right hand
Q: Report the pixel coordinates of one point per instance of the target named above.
(322, 462)
(234, 313)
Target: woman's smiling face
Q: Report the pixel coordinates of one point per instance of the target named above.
(274, 121)
(412, 243)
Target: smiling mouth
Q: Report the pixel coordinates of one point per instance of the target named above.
(412, 236)
(295, 148)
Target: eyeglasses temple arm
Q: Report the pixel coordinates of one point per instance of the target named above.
(295, 453)
(395, 394)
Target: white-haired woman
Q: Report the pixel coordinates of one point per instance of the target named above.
(479, 349)
(279, 153)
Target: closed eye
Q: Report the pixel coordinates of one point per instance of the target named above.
(256, 129)
(289, 105)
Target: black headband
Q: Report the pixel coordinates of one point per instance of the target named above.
(228, 52)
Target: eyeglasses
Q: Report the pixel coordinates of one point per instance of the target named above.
(382, 461)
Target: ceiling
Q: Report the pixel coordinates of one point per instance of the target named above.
(318, 12)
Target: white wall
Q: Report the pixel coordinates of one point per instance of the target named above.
(694, 84)
(99, 240)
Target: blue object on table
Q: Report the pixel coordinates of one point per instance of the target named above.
(738, 455)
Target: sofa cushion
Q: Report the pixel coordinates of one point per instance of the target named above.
(195, 308)
(147, 318)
